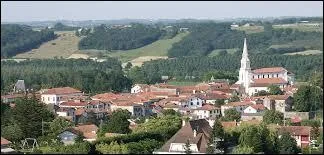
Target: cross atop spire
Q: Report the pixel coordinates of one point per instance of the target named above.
(245, 51)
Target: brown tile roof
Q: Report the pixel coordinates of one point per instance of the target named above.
(106, 96)
(61, 91)
(258, 106)
(279, 97)
(74, 104)
(229, 124)
(234, 86)
(186, 133)
(212, 96)
(61, 109)
(89, 131)
(4, 141)
(208, 107)
(234, 104)
(171, 105)
(269, 70)
(267, 81)
(295, 130)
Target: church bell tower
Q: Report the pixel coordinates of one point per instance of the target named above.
(245, 70)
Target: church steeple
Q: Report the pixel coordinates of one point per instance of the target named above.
(245, 51)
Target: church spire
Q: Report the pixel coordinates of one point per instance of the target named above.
(245, 51)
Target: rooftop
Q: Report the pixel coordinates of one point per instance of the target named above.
(234, 104)
(62, 91)
(269, 70)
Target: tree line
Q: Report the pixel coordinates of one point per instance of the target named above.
(86, 75)
(206, 37)
(123, 38)
(300, 65)
(17, 39)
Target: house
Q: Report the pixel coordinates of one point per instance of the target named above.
(11, 98)
(238, 106)
(300, 133)
(192, 102)
(252, 116)
(98, 107)
(19, 86)
(211, 98)
(89, 131)
(68, 113)
(135, 109)
(172, 106)
(5, 148)
(207, 111)
(281, 103)
(138, 88)
(55, 95)
(68, 136)
(196, 131)
(73, 104)
(254, 108)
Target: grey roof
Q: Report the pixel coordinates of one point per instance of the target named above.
(20, 85)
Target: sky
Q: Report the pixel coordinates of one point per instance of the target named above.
(22, 11)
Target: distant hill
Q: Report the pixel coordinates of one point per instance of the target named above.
(17, 39)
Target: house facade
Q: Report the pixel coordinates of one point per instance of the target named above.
(55, 95)
(238, 106)
(207, 111)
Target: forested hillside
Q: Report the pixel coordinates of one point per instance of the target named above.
(120, 38)
(206, 37)
(86, 75)
(17, 39)
(301, 66)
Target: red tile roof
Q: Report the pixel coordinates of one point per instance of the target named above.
(61, 91)
(234, 86)
(79, 111)
(74, 104)
(208, 107)
(265, 82)
(4, 141)
(269, 70)
(106, 96)
(296, 130)
(258, 106)
(89, 131)
(278, 97)
(234, 104)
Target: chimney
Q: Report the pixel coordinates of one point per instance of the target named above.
(195, 133)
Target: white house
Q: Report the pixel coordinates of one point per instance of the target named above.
(135, 109)
(207, 111)
(139, 88)
(68, 113)
(54, 95)
(254, 108)
(193, 102)
(238, 106)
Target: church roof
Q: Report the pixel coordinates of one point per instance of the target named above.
(269, 70)
(264, 82)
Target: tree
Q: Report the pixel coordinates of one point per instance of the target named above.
(218, 133)
(12, 132)
(58, 125)
(170, 112)
(219, 102)
(316, 79)
(231, 115)
(29, 113)
(273, 116)
(250, 137)
(243, 150)
(275, 90)
(92, 118)
(118, 122)
(287, 144)
(112, 148)
(308, 98)
(187, 147)
(128, 65)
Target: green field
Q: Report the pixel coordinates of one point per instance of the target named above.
(307, 52)
(301, 27)
(250, 29)
(158, 48)
(216, 52)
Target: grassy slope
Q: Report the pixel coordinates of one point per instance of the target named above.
(215, 52)
(158, 48)
(65, 45)
(307, 52)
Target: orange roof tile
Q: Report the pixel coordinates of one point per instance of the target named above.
(229, 124)
(278, 97)
(61, 91)
(79, 111)
(270, 80)
(74, 104)
(258, 106)
(106, 96)
(269, 70)
(296, 130)
(89, 131)
(208, 107)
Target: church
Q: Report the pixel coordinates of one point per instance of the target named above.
(253, 81)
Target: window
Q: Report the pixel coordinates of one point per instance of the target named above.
(57, 98)
(42, 98)
(255, 90)
(191, 103)
(263, 76)
(253, 76)
(277, 75)
(48, 99)
(268, 76)
(197, 103)
(205, 111)
(272, 75)
(53, 98)
(258, 76)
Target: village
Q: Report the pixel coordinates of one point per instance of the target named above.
(199, 106)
